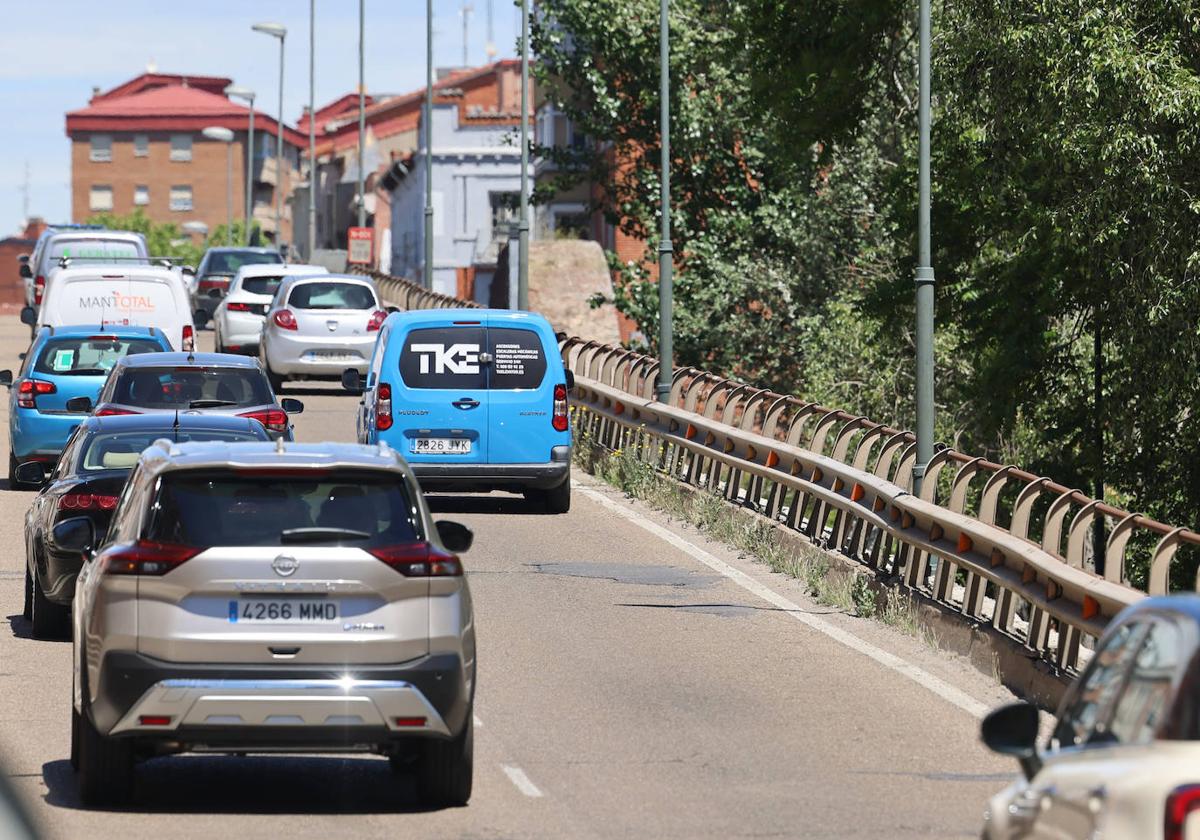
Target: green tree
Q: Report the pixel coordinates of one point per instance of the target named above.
(162, 239)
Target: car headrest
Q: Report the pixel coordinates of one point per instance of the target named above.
(119, 460)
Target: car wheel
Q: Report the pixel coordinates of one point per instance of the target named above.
(105, 767)
(445, 769)
(556, 499)
(27, 612)
(75, 725)
(49, 620)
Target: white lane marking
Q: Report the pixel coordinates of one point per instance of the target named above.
(517, 776)
(918, 675)
(478, 722)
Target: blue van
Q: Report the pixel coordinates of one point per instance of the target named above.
(474, 399)
(62, 363)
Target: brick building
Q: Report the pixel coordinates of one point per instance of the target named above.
(12, 287)
(139, 146)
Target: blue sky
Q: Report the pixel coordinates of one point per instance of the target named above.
(51, 56)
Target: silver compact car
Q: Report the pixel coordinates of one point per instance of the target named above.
(317, 327)
(272, 597)
(237, 322)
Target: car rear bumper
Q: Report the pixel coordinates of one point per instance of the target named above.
(281, 706)
(300, 355)
(35, 433)
(240, 329)
(484, 477)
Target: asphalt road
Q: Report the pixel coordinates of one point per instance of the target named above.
(626, 689)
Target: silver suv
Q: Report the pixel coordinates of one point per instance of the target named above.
(258, 597)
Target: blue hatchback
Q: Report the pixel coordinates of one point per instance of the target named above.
(475, 399)
(62, 363)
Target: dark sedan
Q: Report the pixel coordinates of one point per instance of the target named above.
(87, 482)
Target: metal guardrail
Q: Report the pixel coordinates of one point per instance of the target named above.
(844, 483)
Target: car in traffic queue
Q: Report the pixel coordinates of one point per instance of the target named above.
(87, 481)
(272, 597)
(317, 327)
(214, 383)
(1123, 759)
(217, 268)
(238, 320)
(476, 399)
(63, 363)
(83, 244)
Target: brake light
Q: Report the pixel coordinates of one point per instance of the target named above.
(39, 288)
(274, 419)
(560, 408)
(189, 338)
(1181, 803)
(419, 560)
(146, 557)
(109, 411)
(377, 319)
(284, 319)
(383, 407)
(213, 283)
(86, 501)
(29, 389)
(238, 307)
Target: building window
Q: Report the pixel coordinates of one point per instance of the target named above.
(101, 151)
(141, 195)
(141, 145)
(181, 147)
(100, 198)
(181, 197)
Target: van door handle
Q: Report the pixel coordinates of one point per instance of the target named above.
(465, 403)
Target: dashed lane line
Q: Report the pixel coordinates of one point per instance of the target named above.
(517, 776)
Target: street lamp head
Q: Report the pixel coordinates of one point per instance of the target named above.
(275, 30)
(240, 92)
(218, 133)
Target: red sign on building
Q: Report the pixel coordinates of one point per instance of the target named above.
(361, 246)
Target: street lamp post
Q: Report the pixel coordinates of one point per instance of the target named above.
(362, 117)
(523, 223)
(924, 276)
(312, 128)
(248, 95)
(427, 271)
(224, 135)
(277, 30)
(666, 255)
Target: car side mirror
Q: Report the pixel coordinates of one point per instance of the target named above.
(80, 405)
(75, 534)
(570, 374)
(26, 271)
(28, 316)
(200, 317)
(215, 294)
(455, 536)
(6, 378)
(352, 380)
(391, 309)
(188, 269)
(291, 405)
(31, 472)
(1013, 730)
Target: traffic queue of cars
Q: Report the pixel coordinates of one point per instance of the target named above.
(225, 588)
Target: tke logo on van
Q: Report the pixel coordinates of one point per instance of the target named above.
(457, 358)
(128, 303)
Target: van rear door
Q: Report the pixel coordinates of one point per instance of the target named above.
(122, 300)
(520, 395)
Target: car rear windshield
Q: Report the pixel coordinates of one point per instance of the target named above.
(448, 357)
(92, 251)
(261, 285)
(192, 387)
(120, 450)
(228, 262)
(89, 356)
(314, 507)
(332, 296)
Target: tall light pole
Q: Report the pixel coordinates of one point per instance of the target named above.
(523, 223)
(248, 95)
(427, 272)
(666, 253)
(312, 127)
(224, 135)
(277, 30)
(924, 277)
(362, 116)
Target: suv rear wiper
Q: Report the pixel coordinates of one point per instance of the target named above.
(211, 403)
(301, 535)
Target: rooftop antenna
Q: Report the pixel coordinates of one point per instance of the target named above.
(279, 446)
(467, 8)
(175, 426)
(490, 49)
(25, 193)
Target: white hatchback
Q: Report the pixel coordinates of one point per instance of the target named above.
(238, 320)
(317, 327)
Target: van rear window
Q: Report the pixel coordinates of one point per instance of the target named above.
(517, 358)
(448, 357)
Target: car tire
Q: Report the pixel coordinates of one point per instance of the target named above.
(445, 768)
(27, 610)
(105, 767)
(49, 620)
(75, 726)
(557, 499)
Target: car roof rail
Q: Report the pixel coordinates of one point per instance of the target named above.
(164, 262)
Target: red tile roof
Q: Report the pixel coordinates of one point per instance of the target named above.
(146, 81)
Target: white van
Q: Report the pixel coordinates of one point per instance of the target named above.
(143, 296)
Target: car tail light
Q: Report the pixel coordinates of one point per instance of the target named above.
(383, 407)
(409, 721)
(86, 501)
(284, 319)
(1181, 803)
(189, 338)
(274, 419)
(29, 389)
(154, 720)
(377, 319)
(109, 411)
(560, 408)
(146, 557)
(238, 307)
(39, 288)
(213, 283)
(419, 560)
